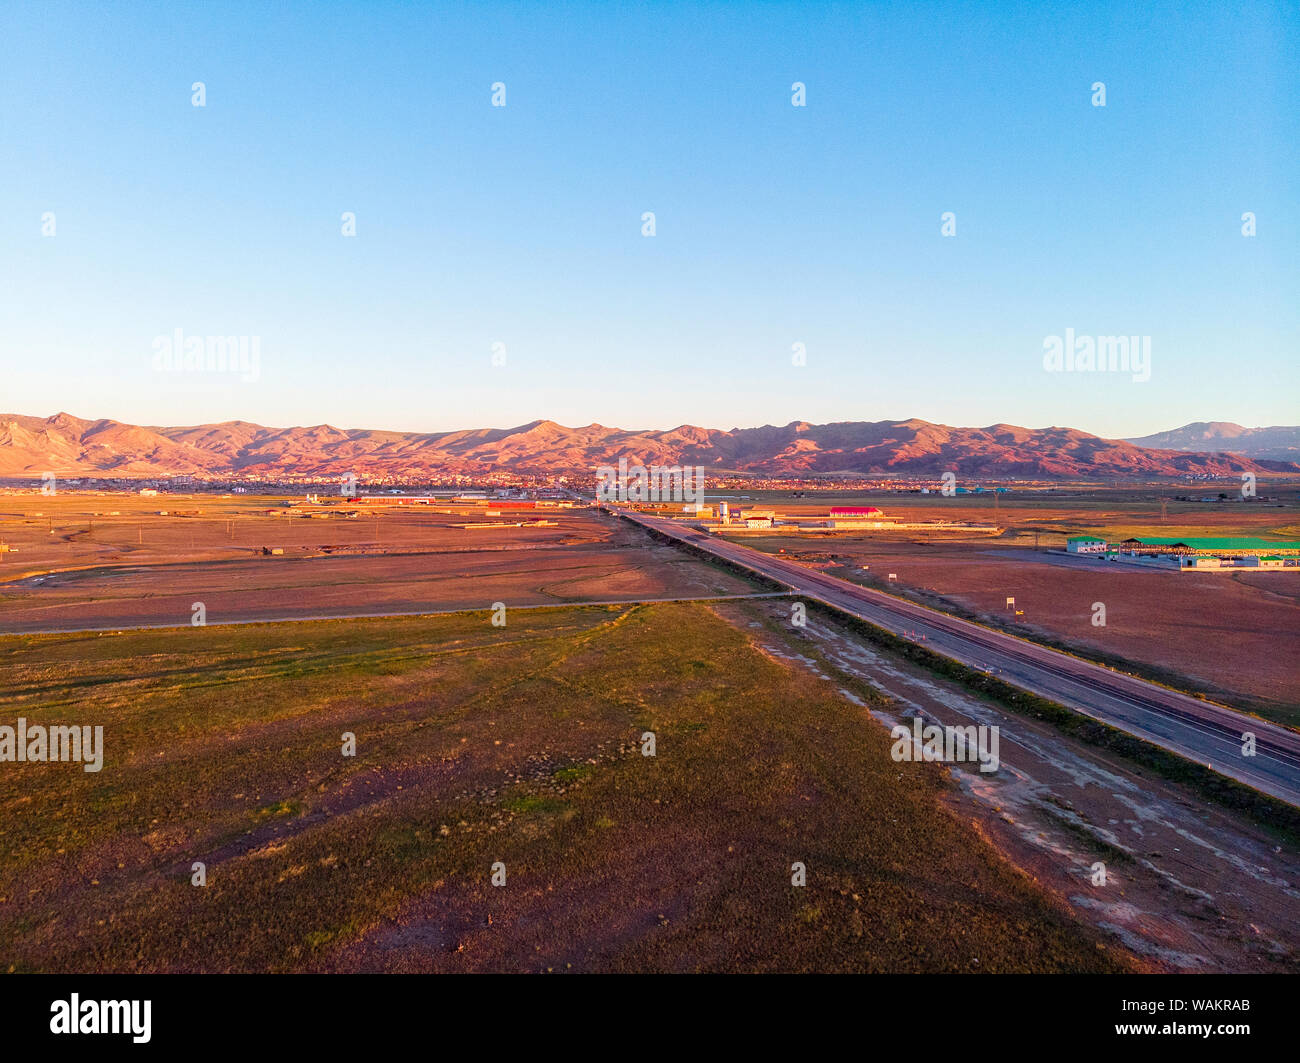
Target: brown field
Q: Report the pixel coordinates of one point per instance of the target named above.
(135, 568)
(86, 530)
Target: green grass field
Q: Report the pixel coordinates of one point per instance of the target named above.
(478, 744)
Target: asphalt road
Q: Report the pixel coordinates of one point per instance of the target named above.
(1201, 731)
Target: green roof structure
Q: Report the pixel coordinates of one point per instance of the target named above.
(1229, 543)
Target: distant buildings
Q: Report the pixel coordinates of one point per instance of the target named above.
(1194, 553)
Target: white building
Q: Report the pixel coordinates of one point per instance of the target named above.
(1086, 544)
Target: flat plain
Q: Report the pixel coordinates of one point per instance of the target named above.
(522, 745)
(89, 562)
(475, 746)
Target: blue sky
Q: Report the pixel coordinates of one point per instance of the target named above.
(775, 225)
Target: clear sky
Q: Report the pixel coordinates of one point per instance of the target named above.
(775, 224)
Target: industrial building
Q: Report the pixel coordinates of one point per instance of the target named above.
(1232, 546)
(1192, 554)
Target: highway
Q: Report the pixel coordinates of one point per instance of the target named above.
(1201, 731)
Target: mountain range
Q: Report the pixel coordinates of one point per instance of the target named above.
(73, 447)
(1278, 443)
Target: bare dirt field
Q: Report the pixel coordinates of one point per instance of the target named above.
(86, 530)
(93, 572)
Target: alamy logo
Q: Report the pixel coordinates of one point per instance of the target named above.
(41, 745)
(1098, 354)
(208, 354)
(102, 1016)
(951, 745)
(659, 483)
